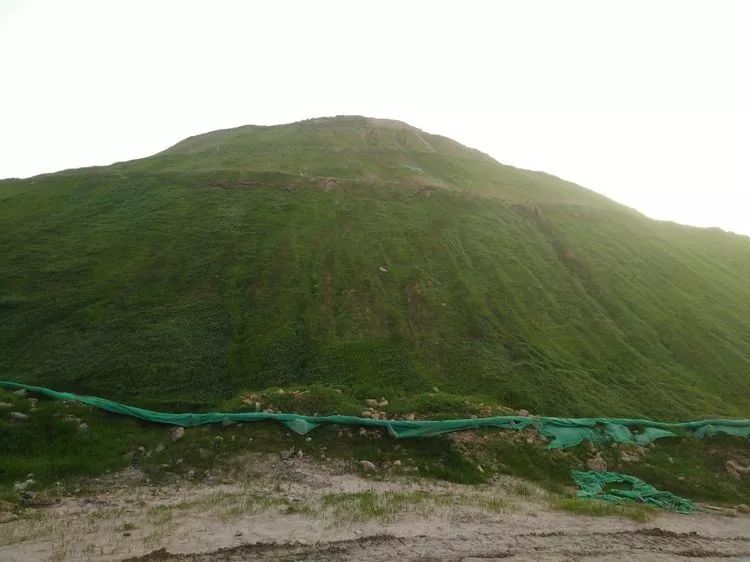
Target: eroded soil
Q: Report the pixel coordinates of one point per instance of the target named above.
(264, 508)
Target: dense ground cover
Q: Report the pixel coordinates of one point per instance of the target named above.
(370, 258)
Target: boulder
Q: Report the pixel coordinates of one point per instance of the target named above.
(177, 433)
(371, 402)
(21, 392)
(733, 469)
(22, 486)
(20, 416)
(523, 413)
(596, 464)
(367, 466)
(5, 405)
(632, 455)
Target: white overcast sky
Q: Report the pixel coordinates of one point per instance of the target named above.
(647, 102)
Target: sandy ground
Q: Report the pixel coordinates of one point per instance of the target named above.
(263, 508)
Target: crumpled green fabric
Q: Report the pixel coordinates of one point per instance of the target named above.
(563, 432)
(598, 485)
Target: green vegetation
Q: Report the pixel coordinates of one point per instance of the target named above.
(637, 512)
(386, 507)
(232, 263)
(51, 446)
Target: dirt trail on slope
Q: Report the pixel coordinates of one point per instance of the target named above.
(262, 508)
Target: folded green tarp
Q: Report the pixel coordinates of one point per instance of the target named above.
(607, 486)
(564, 432)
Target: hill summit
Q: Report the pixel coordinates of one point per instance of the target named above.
(372, 257)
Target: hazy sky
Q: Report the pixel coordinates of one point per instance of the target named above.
(647, 102)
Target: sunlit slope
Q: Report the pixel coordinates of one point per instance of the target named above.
(311, 253)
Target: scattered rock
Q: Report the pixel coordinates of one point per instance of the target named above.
(383, 403)
(523, 413)
(409, 417)
(743, 508)
(371, 402)
(366, 414)
(435, 389)
(22, 486)
(367, 466)
(480, 469)
(632, 455)
(397, 464)
(375, 415)
(732, 467)
(596, 464)
(238, 534)
(83, 427)
(33, 401)
(160, 448)
(300, 454)
(177, 433)
(18, 416)
(287, 455)
(308, 439)
(22, 392)
(383, 269)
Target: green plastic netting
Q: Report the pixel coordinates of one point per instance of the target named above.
(563, 432)
(603, 486)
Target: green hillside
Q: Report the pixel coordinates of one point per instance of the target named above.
(372, 257)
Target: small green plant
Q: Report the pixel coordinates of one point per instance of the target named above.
(637, 512)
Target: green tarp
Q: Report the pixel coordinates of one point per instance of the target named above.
(563, 432)
(608, 486)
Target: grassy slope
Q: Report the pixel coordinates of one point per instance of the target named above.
(199, 272)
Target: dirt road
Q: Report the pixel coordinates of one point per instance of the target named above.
(263, 508)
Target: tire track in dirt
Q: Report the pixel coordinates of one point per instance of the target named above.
(643, 544)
